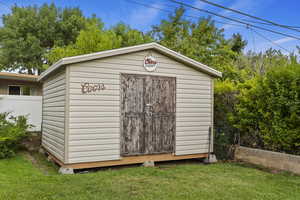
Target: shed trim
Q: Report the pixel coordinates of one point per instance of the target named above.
(103, 54)
(19, 77)
(67, 114)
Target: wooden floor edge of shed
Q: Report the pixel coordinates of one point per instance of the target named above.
(128, 160)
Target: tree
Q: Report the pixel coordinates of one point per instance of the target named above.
(173, 32)
(94, 39)
(200, 40)
(237, 43)
(129, 36)
(30, 32)
(254, 64)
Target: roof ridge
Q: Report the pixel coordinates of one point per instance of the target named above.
(113, 52)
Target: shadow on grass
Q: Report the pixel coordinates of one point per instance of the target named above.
(262, 168)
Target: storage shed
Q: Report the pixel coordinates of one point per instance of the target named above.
(127, 105)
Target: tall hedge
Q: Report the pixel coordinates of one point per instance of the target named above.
(268, 112)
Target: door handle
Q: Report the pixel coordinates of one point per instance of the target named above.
(148, 109)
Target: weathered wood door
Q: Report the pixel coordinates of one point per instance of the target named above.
(148, 107)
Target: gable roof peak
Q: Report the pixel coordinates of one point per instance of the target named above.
(114, 52)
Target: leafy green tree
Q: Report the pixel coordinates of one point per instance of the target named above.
(173, 32)
(237, 43)
(94, 39)
(129, 36)
(260, 63)
(30, 32)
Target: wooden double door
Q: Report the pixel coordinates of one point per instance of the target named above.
(148, 114)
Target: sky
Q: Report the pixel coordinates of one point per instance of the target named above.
(142, 18)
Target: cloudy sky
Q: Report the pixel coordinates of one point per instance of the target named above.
(141, 17)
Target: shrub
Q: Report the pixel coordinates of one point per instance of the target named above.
(225, 135)
(268, 112)
(12, 130)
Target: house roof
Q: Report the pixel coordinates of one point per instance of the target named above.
(15, 76)
(148, 46)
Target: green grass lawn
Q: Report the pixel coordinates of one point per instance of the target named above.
(22, 179)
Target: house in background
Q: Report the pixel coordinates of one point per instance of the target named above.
(21, 94)
(19, 84)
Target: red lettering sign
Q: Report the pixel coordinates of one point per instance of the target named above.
(150, 63)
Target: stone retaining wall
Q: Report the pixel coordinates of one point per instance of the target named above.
(269, 159)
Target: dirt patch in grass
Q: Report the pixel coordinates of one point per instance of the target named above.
(40, 162)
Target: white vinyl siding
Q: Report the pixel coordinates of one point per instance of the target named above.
(53, 124)
(94, 129)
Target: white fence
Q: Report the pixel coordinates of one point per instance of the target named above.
(24, 105)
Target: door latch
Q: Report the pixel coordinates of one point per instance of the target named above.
(148, 109)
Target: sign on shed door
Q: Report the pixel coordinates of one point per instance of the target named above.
(148, 107)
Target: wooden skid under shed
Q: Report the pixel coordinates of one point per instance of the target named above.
(127, 160)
